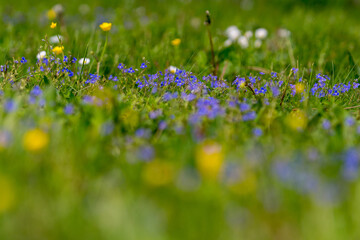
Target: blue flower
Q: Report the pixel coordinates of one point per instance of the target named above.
(10, 106)
(349, 121)
(350, 169)
(155, 114)
(162, 125)
(244, 107)
(69, 109)
(146, 153)
(36, 91)
(121, 66)
(143, 133)
(326, 124)
(143, 66)
(249, 116)
(257, 132)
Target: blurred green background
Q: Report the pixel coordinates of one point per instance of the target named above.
(86, 186)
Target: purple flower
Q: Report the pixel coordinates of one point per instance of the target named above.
(155, 114)
(162, 125)
(10, 106)
(188, 97)
(349, 121)
(36, 91)
(143, 133)
(249, 116)
(244, 107)
(107, 128)
(326, 124)
(257, 132)
(146, 153)
(351, 164)
(275, 91)
(69, 109)
(143, 66)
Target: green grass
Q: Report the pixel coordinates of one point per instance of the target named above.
(210, 180)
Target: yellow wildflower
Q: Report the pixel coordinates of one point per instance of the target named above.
(105, 26)
(53, 25)
(58, 50)
(176, 42)
(35, 140)
(7, 194)
(242, 84)
(51, 14)
(157, 173)
(297, 120)
(299, 88)
(209, 159)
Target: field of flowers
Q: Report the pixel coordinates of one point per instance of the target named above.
(231, 119)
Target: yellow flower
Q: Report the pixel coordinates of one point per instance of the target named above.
(35, 140)
(7, 194)
(299, 88)
(157, 173)
(58, 50)
(53, 25)
(297, 120)
(176, 42)
(209, 159)
(105, 26)
(51, 14)
(242, 84)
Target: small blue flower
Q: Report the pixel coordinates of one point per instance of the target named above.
(257, 132)
(143, 66)
(23, 60)
(326, 124)
(69, 109)
(349, 121)
(162, 125)
(10, 106)
(146, 153)
(121, 66)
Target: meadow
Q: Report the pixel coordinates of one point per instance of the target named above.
(231, 119)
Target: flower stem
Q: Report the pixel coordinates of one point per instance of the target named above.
(102, 54)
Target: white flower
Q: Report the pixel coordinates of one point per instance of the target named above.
(84, 61)
(41, 55)
(58, 8)
(249, 34)
(233, 33)
(257, 43)
(172, 69)
(228, 42)
(261, 33)
(243, 42)
(284, 33)
(55, 39)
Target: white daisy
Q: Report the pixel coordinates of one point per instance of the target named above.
(261, 33)
(41, 55)
(248, 34)
(228, 42)
(243, 42)
(84, 61)
(172, 69)
(284, 33)
(55, 39)
(233, 33)
(257, 43)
